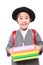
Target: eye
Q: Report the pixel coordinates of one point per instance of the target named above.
(21, 18)
(26, 18)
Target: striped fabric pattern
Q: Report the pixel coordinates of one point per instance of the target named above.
(24, 53)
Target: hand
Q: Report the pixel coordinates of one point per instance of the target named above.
(10, 50)
(39, 48)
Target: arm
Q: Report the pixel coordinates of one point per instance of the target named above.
(9, 46)
(39, 43)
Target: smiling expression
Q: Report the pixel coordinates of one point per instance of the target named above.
(23, 19)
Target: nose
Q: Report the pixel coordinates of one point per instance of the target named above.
(24, 21)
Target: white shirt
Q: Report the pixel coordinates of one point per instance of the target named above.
(24, 34)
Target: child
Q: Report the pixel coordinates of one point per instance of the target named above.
(24, 16)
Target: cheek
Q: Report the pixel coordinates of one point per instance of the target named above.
(28, 22)
(18, 20)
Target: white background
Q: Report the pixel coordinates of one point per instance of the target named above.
(7, 24)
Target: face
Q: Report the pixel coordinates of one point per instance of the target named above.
(23, 19)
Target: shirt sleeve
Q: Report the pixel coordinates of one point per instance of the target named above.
(39, 40)
(9, 45)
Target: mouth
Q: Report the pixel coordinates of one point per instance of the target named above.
(24, 24)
